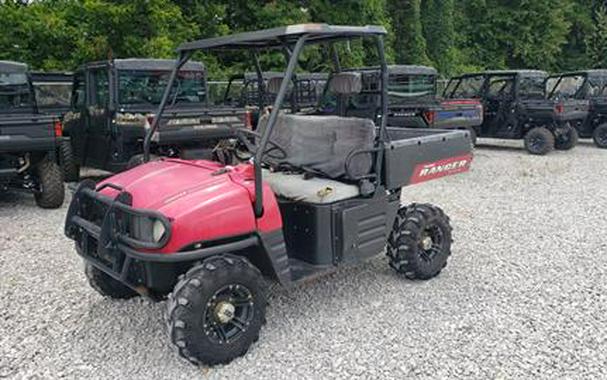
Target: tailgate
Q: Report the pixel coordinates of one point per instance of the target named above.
(458, 114)
(180, 127)
(572, 110)
(418, 155)
(558, 110)
(19, 133)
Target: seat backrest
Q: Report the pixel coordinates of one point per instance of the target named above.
(343, 85)
(273, 85)
(323, 144)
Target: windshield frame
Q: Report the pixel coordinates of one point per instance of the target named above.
(581, 88)
(411, 96)
(23, 87)
(482, 77)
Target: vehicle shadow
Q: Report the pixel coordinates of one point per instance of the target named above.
(140, 322)
(12, 198)
(501, 148)
(589, 143)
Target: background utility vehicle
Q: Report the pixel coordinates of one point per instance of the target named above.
(53, 91)
(588, 85)
(516, 107)
(29, 141)
(413, 102)
(319, 192)
(113, 102)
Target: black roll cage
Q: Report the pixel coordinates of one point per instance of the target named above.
(291, 40)
(559, 79)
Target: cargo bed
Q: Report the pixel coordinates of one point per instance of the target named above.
(27, 132)
(418, 155)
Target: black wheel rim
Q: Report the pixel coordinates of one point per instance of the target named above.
(536, 142)
(228, 313)
(432, 243)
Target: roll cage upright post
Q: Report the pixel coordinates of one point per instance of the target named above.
(271, 121)
(184, 56)
(261, 85)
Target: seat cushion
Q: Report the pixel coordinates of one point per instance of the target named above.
(314, 190)
(323, 144)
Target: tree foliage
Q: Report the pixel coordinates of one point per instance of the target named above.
(597, 41)
(453, 35)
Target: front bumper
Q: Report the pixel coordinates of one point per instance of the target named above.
(104, 230)
(101, 227)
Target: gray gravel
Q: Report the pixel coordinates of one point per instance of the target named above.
(524, 295)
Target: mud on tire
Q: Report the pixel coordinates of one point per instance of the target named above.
(50, 178)
(539, 141)
(106, 285)
(420, 242)
(216, 310)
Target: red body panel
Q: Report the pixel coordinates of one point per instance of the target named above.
(201, 203)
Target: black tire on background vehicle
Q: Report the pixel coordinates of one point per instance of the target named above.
(600, 136)
(216, 310)
(50, 178)
(567, 138)
(137, 160)
(420, 243)
(539, 141)
(106, 285)
(473, 136)
(69, 165)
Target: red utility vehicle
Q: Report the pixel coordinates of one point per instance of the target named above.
(312, 193)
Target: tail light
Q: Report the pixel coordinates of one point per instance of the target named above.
(58, 128)
(430, 116)
(149, 121)
(560, 108)
(248, 119)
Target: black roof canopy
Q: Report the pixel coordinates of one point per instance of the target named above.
(521, 72)
(412, 70)
(146, 64)
(154, 64)
(13, 67)
(279, 37)
(595, 73)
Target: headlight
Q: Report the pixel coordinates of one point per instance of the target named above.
(158, 231)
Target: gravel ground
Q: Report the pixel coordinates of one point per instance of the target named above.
(523, 296)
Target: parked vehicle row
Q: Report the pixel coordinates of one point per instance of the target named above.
(516, 107)
(412, 100)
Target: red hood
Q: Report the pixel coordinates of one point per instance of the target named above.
(203, 200)
(161, 183)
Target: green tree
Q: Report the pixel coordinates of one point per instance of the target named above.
(409, 41)
(439, 31)
(61, 34)
(597, 41)
(515, 34)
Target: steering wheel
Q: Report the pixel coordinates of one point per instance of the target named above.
(243, 136)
